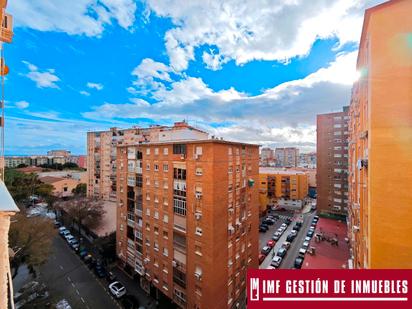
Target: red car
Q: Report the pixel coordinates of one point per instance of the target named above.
(261, 258)
(270, 243)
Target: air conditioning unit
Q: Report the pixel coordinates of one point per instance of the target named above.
(355, 228)
(174, 263)
(198, 195)
(198, 215)
(196, 156)
(198, 276)
(182, 156)
(146, 260)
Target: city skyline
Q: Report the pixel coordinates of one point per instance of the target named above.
(224, 75)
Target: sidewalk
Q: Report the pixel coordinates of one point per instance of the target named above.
(133, 288)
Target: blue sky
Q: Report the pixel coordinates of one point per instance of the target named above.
(250, 71)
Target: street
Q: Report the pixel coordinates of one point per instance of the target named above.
(67, 277)
(296, 244)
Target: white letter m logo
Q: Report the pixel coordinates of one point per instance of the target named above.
(254, 289)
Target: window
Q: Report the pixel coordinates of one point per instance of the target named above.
(156, 167)
(165, 235)
(156, 230)
(179, 206)
(65, 189)
(156, 246)
(165, 201)
(147, 151)
(156, 151)
(179, 149)
(165, 184)
(199, 171)
(148, 212)
(165, 218)
(148, 181)
(179, 173)
(199, 150)
(147, 226)
(165, 252)
(165, 167)
(147, 166)
(165, 151)
(198, 250)
(148, 196)
(230, 170)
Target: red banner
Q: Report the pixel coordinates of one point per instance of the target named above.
(323, 288)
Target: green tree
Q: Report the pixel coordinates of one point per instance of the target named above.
(80, 189)
(20, 185)
(31, 240)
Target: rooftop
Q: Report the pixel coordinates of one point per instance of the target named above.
(199, 141)
(279, 171)
(51, 179)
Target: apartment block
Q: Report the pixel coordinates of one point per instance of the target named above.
(38, 160)
(101, 152)
(267, 157)
(287, 157)
(332, 163)
(380, 147)
(284, 188)
(187, 219)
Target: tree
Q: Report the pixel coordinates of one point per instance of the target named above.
(80, 189)
(70, 165)
(31, 239)
(21, 165)
(20, 185)
(86, 211)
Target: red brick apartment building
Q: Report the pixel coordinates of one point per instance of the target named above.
(332, 162)
(187, 219)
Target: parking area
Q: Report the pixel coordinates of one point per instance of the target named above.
(299, 226)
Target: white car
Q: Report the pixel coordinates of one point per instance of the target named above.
(276, 261)
(305, 244)
(69, 238)
(294, 232)
(302, 251)
(117, 289)
(284, 225)
(307, 238)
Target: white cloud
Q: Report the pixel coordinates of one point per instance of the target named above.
(96, 86)
(256, 30)
(22, 104)
(85, 93)
(88, 17)
(43, 79)
(285, 113)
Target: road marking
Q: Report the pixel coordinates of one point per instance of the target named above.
(73, 285)
(61, 267)
(77, 291)
(68, 278)
(81, 298)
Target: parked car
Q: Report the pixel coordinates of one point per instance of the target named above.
(299, 223)
(265, 250)
(74, 244)
(288, 221)
(305, 245)
(262, 229)
(69, 237)
(286, 245)
(307, 238)
(290, 238)
(281, 252)
(297, 227)
(316, 217)
(265, 225)
(83, 253)
(267, 221)
(117, 289)
(310, 233)
(111, 277)
(270, 243)
(276, 261)
(298, 262)
(276, 236)
(302, 251)
(100, 270)
(57, 224)
(64, 232)
(284, 225)
(294, 232)
(261, 258)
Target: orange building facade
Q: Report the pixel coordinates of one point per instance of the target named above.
(187, 219)
(380, 144)
(275, 185)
